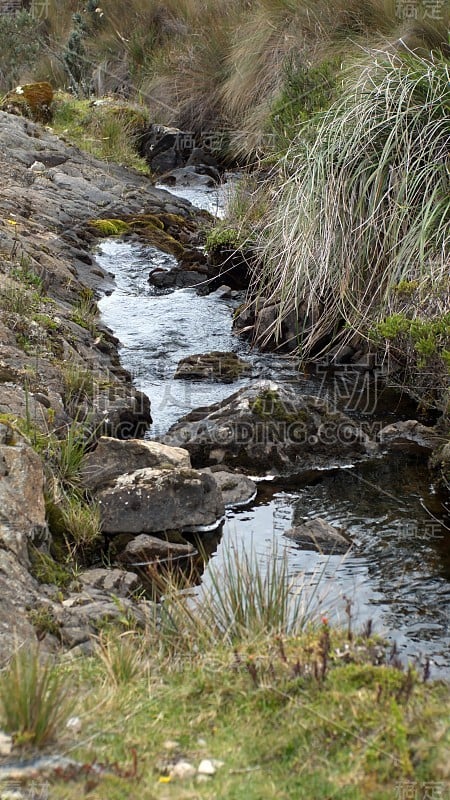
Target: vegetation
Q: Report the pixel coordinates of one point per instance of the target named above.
(362, 211)
(315, 712)
(109, 130)
(33, 699)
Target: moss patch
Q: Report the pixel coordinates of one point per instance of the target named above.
(268, 406)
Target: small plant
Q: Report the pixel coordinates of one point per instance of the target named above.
(220, 237)
(79, 384)
(81, 524)
(240, 600)
(44, 621)
(122, 657)
(46, 570)
(85, 312)
(18, 299)
(34, 698)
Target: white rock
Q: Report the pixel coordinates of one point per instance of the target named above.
(206, 767)
(37, 166)
(74, 724)
(183, 771)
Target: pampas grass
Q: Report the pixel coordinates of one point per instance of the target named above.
(366, 204)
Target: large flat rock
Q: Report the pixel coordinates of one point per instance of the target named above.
(114, 457)
(158, 500)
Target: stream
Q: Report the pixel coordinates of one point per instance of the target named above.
(398, 572)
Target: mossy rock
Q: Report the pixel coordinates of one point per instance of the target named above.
(215, 366)
(109, 227)
(143, 220)
(30, 100)
(269, 406)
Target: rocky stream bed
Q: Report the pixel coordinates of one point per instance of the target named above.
(277, 452)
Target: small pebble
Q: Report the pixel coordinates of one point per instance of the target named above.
(74, 724)
(206, 767)
(183, 771)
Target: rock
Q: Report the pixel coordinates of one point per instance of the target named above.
(114, 457)
(237, 490)
(82, 615)
(192, 176)
(182, 771)
(18, 592)
(176, 278)
(145, 549)
(22, 505)
(74, 725)
(409, 436)
(317, 534)
(173, 149)
(115, 582)
(224, 292)
(156, 500)
(220, 366)
(206, 767)
(269, 428)
(440, 465)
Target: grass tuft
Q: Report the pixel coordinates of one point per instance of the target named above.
(366, 204)
(33, 699)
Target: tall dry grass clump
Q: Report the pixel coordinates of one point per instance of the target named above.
(366, 205)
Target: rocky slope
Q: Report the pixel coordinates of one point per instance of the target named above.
(57, 363)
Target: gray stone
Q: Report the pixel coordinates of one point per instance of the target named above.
(409, 436)
(115, 582)
(317, 534)
(145, 549)
(22, 505)
(155, 500)
(237, 490)
(114, 457)
(270, 428)
(191, 176)
(225, 367)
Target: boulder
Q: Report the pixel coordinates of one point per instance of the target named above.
(114, 457)
(270, 428)
(317, 534)
(409, 436)
(220, 366)
(157, 500)
(192, 176)
(110, 581)
(237, 489)
(143, 550)
(22, 506)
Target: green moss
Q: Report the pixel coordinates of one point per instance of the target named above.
(110, 227)
(406, 288)
(268, 406)
(220, 237)
(46, 570)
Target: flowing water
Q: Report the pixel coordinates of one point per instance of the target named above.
(398, 572)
